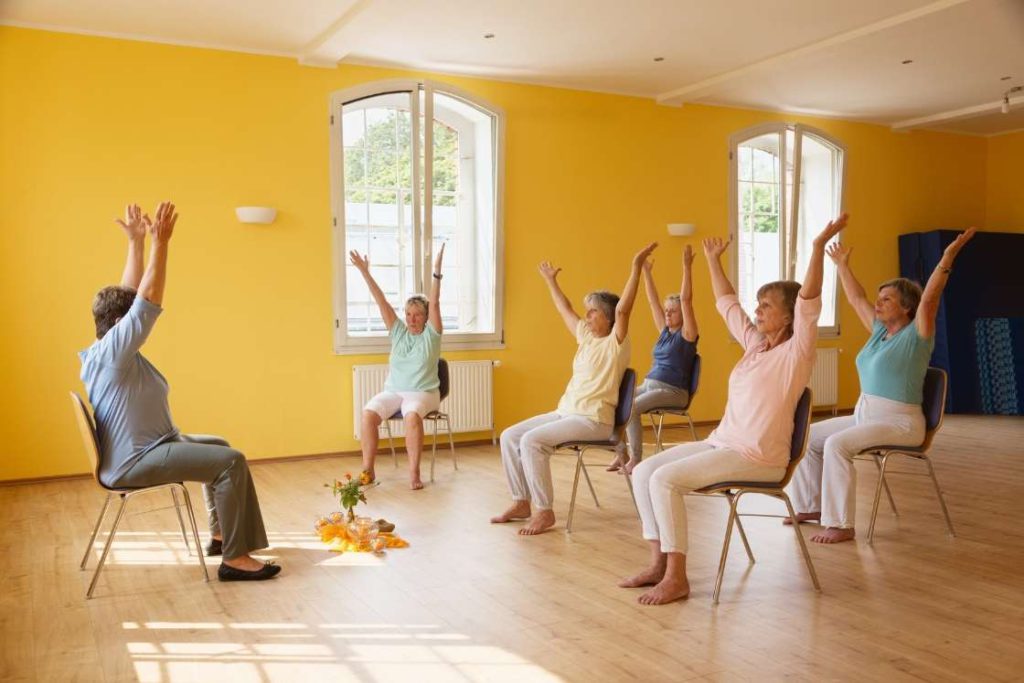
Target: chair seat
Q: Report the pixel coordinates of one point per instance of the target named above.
(429, 416)
(601, 443)
(724, 485)
(903, 449)
(671, 410)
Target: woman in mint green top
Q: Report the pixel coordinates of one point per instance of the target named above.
(891, 367)
(412, 384)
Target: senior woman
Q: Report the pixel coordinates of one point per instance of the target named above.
(412, 386)
(139, 444)
(667, 385)
(891, 367)
(752, 441)
(586, 410)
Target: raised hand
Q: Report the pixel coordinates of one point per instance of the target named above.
(362, 263)
(134, 223)
(831, 230)
(688, 256)
(648, 266)
(641, 256)
(163, 227)
(949, 255)
(714, 247)
(439, 258)
(548, 271)
(839, 254)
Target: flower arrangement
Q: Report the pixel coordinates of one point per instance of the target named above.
(351, 492)
(346, 532)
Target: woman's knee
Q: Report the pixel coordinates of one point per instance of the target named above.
(838, 446)
(371, 418)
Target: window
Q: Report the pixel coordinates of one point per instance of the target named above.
(774, 168)
(401, 188)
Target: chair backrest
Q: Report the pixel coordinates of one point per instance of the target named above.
(801, 428)
(87, 429)
(934, 403)
(442, 376)
(627, 388)
(694, 376)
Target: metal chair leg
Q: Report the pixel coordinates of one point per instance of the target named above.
(586, 475)
(803, 544)
(693, 431)
(451, 442)
(632, 496)
(433, 448)
(195, 531)
(575, 486)
(391, 442)
(106, 547)
(95, 530)
(657, 431)
(743, 534)
(888, 493)
(878, 496)
(942, 500)
(725, 550)
(181, 522)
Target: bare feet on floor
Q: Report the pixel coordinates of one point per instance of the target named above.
(616, 464)
(802, 517)
(648, 577)
(630, 466)
(415, 483)
(541, 521)
(833, 535)
(369, 471)
(520, 509)
(668, 590)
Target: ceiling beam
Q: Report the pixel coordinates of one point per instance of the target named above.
(956, 114)
(330, 47)
(695, 91)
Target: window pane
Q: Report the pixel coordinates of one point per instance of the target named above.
(759, 242)
(820, 163)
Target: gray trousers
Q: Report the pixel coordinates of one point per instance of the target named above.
(650, 394)
(231, 503)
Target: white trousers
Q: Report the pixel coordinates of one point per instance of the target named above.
(526, 449)
(660, 482)
(387, 403)
(826, 479)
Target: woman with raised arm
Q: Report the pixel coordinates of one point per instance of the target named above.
(891, 367)
(139, 444)
(412, 386)
(752, 441)
(667, 385)
(586, 410)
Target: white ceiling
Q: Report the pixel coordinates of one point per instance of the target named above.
(826, 57)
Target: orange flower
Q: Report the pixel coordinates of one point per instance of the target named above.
(364, 478)
(348, 476)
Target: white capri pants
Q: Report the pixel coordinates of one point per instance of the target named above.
(387, 403)
(826, 479)
(661, 481)
(526, 449)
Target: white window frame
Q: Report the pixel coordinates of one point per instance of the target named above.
(345, 344)
(787, 220)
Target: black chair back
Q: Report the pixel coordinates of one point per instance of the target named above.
(801, 428)
(442, 376)
(934, 398)
(626, 390)
(695, 376)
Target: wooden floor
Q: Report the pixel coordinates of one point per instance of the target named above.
(469, 601)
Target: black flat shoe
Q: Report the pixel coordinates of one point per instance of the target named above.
(268, 571)
(214, 547)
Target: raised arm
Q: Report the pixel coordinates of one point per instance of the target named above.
(625, 306)
(811, 287)
(714, 247)
(657, 312)
(435, 292)
(855, 294)
(929, 306)
(562, 303)
(134, 226)
(151, 288)
(686, 297)
(387, 313)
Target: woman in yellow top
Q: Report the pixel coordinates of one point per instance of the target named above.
(587, 408)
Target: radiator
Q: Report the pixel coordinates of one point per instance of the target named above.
(469, 404)
(825, 378)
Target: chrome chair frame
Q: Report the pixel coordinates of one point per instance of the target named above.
(661, 411)
(933, 406)
(434, 416)
(627, 389)
(87, 428)
(734, 490)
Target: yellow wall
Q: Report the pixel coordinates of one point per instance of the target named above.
(1005, 183)
(87, 124)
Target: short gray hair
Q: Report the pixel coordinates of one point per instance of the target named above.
(418, 300)
(909, 291)
(110, 304)
(675, 299)
(604, 301)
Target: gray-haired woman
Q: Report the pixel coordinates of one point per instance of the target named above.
(412, 386)
(587, 408)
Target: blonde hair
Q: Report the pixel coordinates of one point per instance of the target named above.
(788, 291)
(418, 300)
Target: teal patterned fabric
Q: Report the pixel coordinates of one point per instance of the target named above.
(999, 373)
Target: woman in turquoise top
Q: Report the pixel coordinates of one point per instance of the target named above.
(412, 384)
(891, 367)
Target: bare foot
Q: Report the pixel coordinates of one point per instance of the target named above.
(415, 483)
(833, 535)
(616, 464)
(668, 590)
(648, 577)
(802, 517)
(520, 509)
(541, 521)
(631, 465)
(373, 475)
(245, 563)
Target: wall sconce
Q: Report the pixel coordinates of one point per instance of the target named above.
(256, 214)
(681, 229)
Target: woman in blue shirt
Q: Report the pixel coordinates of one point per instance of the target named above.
(891, 368)
(667, 385)
(412, 386)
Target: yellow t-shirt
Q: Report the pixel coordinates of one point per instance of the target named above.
(597, 368)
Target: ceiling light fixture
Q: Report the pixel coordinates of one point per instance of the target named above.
(907, 61)
(1006, 78)
(1006, 98)
(488, 35)
(659, 59)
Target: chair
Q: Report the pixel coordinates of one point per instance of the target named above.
(627, 387)
(661, 411)
(89, 440)
(434, 416)
(933, 405)
(734, 490)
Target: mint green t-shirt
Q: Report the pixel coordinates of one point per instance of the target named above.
(413, 360)
(894, 368)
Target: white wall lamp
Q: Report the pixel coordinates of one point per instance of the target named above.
(256, 214)
(681, 229)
